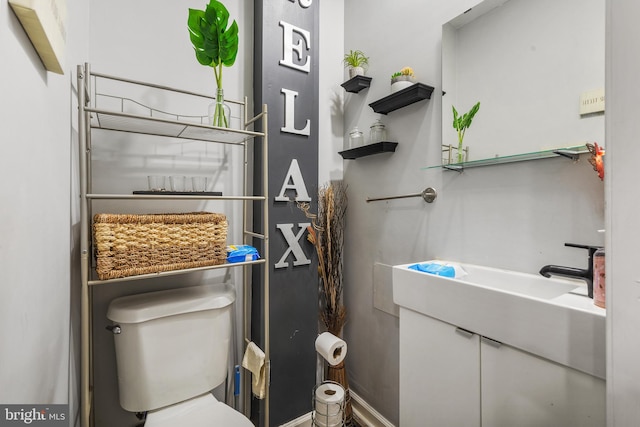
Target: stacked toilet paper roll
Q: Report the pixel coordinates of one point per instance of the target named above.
(329, 405)
(331, 348)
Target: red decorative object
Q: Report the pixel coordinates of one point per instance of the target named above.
(596, 159)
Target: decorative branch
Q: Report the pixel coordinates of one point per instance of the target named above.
(326, 233)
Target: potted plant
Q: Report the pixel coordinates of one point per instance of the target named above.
(461, 123)
(402, 79)
(355, 61)
(215, 45)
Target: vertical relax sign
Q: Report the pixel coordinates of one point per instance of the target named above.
(286, 78)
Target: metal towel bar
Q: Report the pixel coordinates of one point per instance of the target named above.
(428, 195)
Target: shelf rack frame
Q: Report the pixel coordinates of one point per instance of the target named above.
(180, 128)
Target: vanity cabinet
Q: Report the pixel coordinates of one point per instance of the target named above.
(455, 377)
(521, 389)
(439, 373)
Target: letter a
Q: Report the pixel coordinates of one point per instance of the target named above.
(294, 181)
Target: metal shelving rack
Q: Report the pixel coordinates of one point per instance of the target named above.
(181, 127)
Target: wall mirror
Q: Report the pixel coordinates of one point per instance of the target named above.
(527, 62)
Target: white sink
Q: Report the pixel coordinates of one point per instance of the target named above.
(549, 317)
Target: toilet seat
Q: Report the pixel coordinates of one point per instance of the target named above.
(201, 411)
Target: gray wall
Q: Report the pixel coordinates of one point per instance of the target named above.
(514, 216)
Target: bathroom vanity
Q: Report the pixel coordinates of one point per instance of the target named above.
(498, 348)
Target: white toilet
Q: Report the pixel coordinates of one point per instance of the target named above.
(172, 349)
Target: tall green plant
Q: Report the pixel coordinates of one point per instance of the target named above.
(461, 124)
(215, 44)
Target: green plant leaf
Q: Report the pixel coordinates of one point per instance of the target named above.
(229, 45)
(456, 122)
(193, 23)
(217, 15)
(213, 42)
(464, 122)
(471, 114)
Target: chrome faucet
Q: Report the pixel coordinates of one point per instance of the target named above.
(572, 272)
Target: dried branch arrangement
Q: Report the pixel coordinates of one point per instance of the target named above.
(326, 233)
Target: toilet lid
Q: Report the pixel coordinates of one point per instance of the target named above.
(202, 411)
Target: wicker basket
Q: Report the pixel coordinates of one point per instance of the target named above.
(129, 245)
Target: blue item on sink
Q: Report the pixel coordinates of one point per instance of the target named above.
(241, 253)
(435, 268)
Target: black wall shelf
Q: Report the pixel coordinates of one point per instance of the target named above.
(356, 84)
(402, 98)
(369, 149)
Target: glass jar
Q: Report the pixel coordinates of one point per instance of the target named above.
(377, 132)
(355, 138)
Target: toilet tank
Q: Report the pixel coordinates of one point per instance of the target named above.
(172, 345)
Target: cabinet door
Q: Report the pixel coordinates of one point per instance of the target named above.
(521, 389)
(439, 373)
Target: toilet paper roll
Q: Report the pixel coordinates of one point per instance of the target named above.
(331, 348)
(329, 405)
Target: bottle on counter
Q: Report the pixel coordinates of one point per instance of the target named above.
(599, 278)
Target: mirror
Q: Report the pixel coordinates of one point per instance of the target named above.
(527, 62)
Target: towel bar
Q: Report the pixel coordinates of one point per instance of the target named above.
(428, 195)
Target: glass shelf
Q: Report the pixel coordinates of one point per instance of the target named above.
(572, 153)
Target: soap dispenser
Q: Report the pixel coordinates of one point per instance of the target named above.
(599, 278)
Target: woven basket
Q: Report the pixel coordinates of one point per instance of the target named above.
(129, 245)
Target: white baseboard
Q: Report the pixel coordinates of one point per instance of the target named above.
(364, 414)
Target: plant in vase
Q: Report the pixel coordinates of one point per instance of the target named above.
(326, 233)
(355, 61)
(215, 45)
(402, 79)
(461, 123)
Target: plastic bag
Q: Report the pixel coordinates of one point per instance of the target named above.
(241, 253)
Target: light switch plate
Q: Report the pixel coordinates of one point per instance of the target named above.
(592, 102)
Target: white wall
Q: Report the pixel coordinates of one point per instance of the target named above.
(514, 216)
(623, 233)
(35, 250)
(331, 94)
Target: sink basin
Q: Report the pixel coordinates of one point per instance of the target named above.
(530, 285)
(549, 317)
